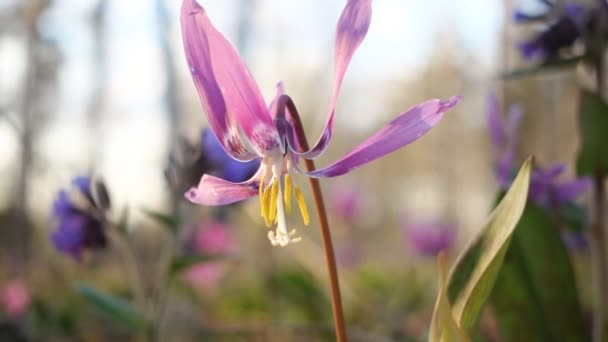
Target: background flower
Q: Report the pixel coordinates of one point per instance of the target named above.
(79, 220)
(428, 238)
(15, 298)
(564, 26)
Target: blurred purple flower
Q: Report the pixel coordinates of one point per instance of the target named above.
(214, 238)
(545, 189)
(562, 31)
(345, 202)
(234, 104)
(80, 219)
(429, 238)
(15, 298)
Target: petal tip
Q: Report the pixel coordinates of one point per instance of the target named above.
(191, 195)
(450, 103)
(191, 6)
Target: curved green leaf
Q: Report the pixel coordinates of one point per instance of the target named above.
(443, 326)
(473, 275)
(114, 307)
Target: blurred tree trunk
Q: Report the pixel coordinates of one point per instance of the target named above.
(171, 84)
(32, 11)
(97, 100)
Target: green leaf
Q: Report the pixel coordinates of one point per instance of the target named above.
(443, 325)
(114, 307)
(593, 125)
(545, 67)
(168, 221)
(528, 304)
(473, 275)
(574, 216)
(180, 264)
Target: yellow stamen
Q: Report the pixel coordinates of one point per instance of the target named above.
(274, 193)
(302, 205)
(287, 195)
(261, 195)
(266, 206)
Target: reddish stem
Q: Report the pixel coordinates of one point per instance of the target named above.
(336, 299)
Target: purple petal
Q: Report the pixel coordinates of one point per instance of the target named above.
(69, 236)
(226, 167)
(352, 28)
(514, 117)
(551, 173)
(532, 48)
(504, 170)
(569, 191)
(272, 108)
(215, 191)
(403, 130)
(496, 125)
(225, 87)
(62, 205)
(520, 17)
(574, 11)
(542, 183)
(83, 183)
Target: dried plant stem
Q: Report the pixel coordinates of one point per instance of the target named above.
(600, 325)
(132, 268)
(601, 267)
(336, 299)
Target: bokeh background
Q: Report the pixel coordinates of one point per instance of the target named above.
(101, 87)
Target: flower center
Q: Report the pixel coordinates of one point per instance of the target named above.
(276, 188)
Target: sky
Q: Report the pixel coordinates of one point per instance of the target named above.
(291, 33)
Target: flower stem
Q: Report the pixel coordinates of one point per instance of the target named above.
(600, 325)
(336, 299)
(601, 277)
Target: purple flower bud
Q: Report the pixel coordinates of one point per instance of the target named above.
(79, 223)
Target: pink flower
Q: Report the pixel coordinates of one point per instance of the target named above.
(15, 298)
(236, 109)
(214, 238)
(206, 275)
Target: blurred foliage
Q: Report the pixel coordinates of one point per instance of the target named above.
(546, 67)
(593, 125)
(528, 304)
(473, 275)
(462, 298)
(118, 309)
